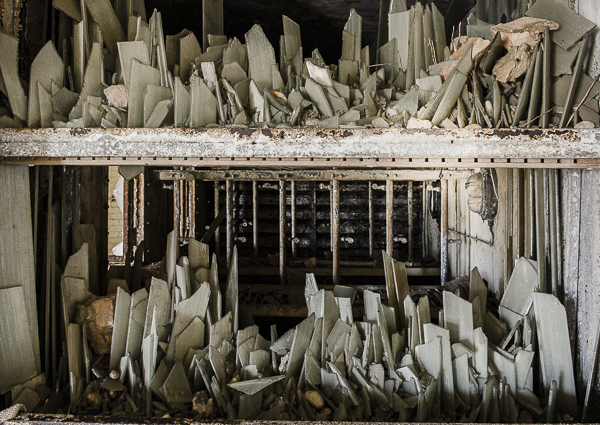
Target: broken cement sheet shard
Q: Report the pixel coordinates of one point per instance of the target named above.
(221, 331)
(47, 67)
(231, 291)
(255, 385)
(9, 69)
(555, 350)
(572, 27)
(430, 332)
(261, 58)
(159, 296)
(17, 359)
(121, 323)
(458, 319)
(302, 337)
(523, 282)
(176, 388)
(188, 310)
(137, 320)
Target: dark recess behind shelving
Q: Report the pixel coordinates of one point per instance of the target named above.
(321, 22)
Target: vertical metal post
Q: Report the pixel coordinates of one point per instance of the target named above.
(508, 224)
(552, 224)
(518, 214)
(293, 217)
(176, 205)
(424, 218)
(527, 224)
(282, 231)
(444, 233)
(313, 205)
(559, 253)
(371, 222)
(410, 220)
(183, 192)
(218, 229)
(540, 228)
(389, 216)
(335, 230)
(255, 217)
(229, 222)
(191, 207)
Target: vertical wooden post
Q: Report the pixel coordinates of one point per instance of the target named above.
(335, 230)
(282, 233)
(389, 216)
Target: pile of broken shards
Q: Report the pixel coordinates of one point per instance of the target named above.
(118, 69)
(177, 351)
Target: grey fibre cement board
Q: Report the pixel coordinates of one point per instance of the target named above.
(17, 359)
(16, 244)
(555, 350)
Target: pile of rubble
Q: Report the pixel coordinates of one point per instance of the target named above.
(177, 350)
(124, 72)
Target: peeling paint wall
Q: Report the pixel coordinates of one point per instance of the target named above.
(473, 242)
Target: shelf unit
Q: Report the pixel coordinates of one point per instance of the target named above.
(303, 148)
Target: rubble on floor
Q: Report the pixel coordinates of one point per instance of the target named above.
(177, 350)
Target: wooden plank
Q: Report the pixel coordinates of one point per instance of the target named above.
(47, 67)
(93, 195)
(16, 244)
(17, 356)
(261, 58)
(103, 13)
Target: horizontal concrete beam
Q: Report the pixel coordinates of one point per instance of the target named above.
(299, 143)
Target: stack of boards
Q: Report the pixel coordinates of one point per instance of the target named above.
(178, 346)
(119, 70)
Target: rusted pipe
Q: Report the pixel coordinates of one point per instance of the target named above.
(176, 205)
(218, 229)
(229, 219)
(255, 217)
(282, 231)
(389, 216)
(444, 234)
(410, 220)
(335, 230)
(371, 222)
